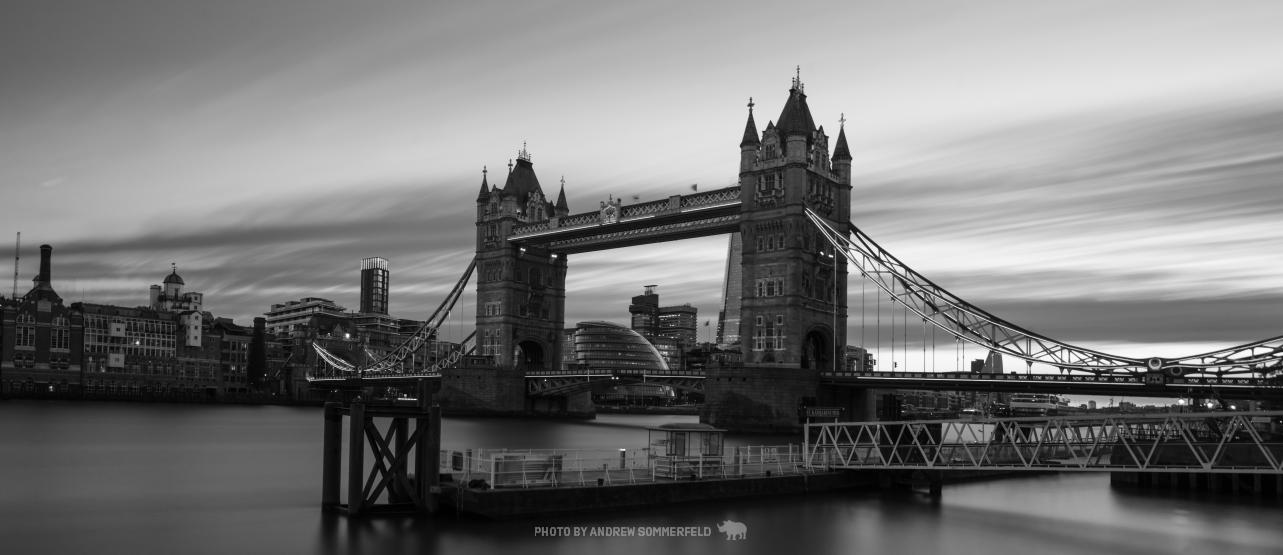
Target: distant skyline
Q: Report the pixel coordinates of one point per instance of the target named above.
(1105, 173)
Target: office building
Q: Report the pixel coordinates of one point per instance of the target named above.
(374, 285)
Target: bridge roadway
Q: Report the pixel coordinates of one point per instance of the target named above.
(538, 382)
(557, 382)
(1201, 442)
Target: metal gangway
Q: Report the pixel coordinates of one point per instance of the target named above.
(1202, 442)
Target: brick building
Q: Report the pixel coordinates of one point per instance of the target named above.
(40, 340)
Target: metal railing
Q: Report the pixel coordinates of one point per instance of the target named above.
(531, 468)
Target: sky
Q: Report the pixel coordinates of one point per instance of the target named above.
(1106, 173)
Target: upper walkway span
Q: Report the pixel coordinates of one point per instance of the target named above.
(678, 217)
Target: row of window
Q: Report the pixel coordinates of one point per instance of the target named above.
(770, 242)
(58, 321)
(28, 360)
(815, 189)
(59, 339)
(148, 340)
(135, 350)
(533, 276)
(130, 325)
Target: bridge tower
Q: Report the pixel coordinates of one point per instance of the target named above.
(792, 295)
(521, 291)
(793, 287)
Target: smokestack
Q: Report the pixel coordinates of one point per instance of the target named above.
(43, 290)
(43, 277)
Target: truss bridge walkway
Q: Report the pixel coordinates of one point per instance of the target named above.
(1209, 442)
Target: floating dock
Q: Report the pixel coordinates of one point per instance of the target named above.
(505, 503)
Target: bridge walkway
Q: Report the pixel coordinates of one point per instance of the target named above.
(1211, 442)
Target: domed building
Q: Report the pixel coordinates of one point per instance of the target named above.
(171, 298)
(607, 346)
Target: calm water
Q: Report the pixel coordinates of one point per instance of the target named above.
(139, 479)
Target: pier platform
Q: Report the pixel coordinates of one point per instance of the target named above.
(505, 503)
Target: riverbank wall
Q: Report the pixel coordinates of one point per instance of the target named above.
(1256, 485)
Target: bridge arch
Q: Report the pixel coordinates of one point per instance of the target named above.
(531, 355)
(817, 349)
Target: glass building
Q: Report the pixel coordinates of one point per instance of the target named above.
(607, 346)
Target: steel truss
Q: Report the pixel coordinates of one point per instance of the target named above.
(1209, 442)
(554, 382)
(970, 323)
(390, 365)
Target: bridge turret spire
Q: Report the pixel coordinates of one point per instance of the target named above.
(750, 129)
(842, 154)
(484, 195)
(750, 144)
(562, 209)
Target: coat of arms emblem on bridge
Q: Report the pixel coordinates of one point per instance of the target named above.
(610, 210)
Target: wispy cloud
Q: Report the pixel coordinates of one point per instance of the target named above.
(1153, 229)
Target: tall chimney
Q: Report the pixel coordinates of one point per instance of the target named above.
(43, 277)
(43, 290)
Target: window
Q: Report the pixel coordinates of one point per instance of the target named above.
(25, 336)
(770, 287)
(60, 338)
(768, 333)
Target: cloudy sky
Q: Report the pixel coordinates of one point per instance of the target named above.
(1107, 173)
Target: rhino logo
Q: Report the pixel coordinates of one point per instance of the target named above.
(733, 530)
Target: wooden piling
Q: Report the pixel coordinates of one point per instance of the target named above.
(431, 463)
(356, 459)
(332, 456)
(396, 493)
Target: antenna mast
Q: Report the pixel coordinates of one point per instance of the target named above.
(17, 247)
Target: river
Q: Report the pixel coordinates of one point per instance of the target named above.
(209, 479)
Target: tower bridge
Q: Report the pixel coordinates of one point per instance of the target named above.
(791, 209)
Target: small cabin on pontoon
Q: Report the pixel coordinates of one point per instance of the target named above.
(686, 450)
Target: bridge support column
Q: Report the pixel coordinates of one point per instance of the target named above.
(757, 399)
(576, 404)
(859, 404)
(476, 386)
